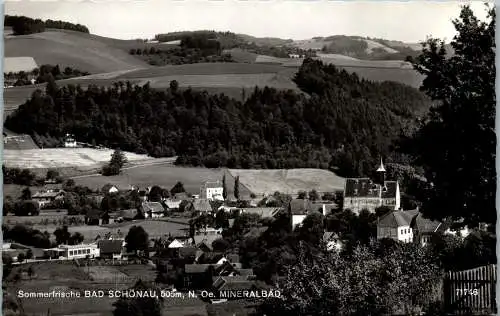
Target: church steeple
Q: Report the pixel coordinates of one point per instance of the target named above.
(381, 173)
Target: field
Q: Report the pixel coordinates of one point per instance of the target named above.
(83, 158)
(17, 64)
(85, 52)
(288, 181)
(162, 175)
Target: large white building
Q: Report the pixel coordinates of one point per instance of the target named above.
(213, 191)
(73, 252)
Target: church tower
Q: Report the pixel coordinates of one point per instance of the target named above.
(381, 173)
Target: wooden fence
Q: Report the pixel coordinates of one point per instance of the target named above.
(471, 292)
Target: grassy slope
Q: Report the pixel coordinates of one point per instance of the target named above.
(86, 52)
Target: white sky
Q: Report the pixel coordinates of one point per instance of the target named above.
(409, 21)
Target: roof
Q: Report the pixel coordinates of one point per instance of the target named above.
(381, 167)
(110, 246)
(361, 187)
(424, 225)
(181, 196)
(173, 203)
(300, 206)
(202, 205)
(154, 207)
(198, 268)
(94, 214)
(47, 194)
(187, 251)
(255, 232)
(176, 244)
(108, 187)
(397, 219)
(213, 184)
(264, 212)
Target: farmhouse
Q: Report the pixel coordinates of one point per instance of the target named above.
(152, 209)
(363, 193)
(48, 196)
(396, 225)
(202, 206)
(299, 209)
(73, 252)
(111, 249)
(109, 189)
(213, 191)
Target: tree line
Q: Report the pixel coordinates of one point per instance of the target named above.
(347, 122)
(22, 25)
(42, 74)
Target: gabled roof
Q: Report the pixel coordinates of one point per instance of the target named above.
(110, 246)
(213, 184)
(154, 207)
(181, 196)
(202, 205)
(425, 225)
(300, 206)
(264, 212)
(176, 244)
(198, 268)
(47, 194)
(187, 251)
(173, 203)
(361, 187)
(108, 187)
(397, 219)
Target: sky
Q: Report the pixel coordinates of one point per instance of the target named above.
(410, 21)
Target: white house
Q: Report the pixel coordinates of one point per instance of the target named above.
(396, 225)
(213, 191)
(70, 141)
(299, 209)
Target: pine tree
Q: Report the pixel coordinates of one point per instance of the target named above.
(237, 187)
(224, 189)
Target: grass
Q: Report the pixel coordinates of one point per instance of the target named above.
(17, 64)
(288, 181)
(83, 158)
(82, 51)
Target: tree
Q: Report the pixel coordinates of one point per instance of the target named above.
(313, 195)
(29, 254)
(52, 174)
(177, 188)
(237, 187)
(137, 240)
(220, 245)
(457, 143)
(139, 306)
(62, 235)
(26, 194)
(76, 239)
(118, 158)
(302, 195)
(6, 264)
(21, 257)
(155, 194)
(224, 187)
(174, 86)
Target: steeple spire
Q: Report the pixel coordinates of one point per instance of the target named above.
(381, 167)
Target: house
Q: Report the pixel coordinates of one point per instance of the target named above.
(363, 193)
(181, 196)
(98, 217)
(73, 252)
(299, 209)
(176, 244)
(152, 209)
(213, 191)
(109, 189)
(70, 141)
(47, 197)
(325, 208)
(111, 248)
(397, 225)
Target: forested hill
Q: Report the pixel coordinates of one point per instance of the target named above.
(345, 122)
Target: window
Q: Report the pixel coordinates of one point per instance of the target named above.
(88, 250)
(71, 252)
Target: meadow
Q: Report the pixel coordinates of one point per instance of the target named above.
(264, 182)
(84, 158)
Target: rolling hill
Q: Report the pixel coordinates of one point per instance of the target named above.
(91, 53)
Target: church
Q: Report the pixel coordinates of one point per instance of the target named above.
(365, 193)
